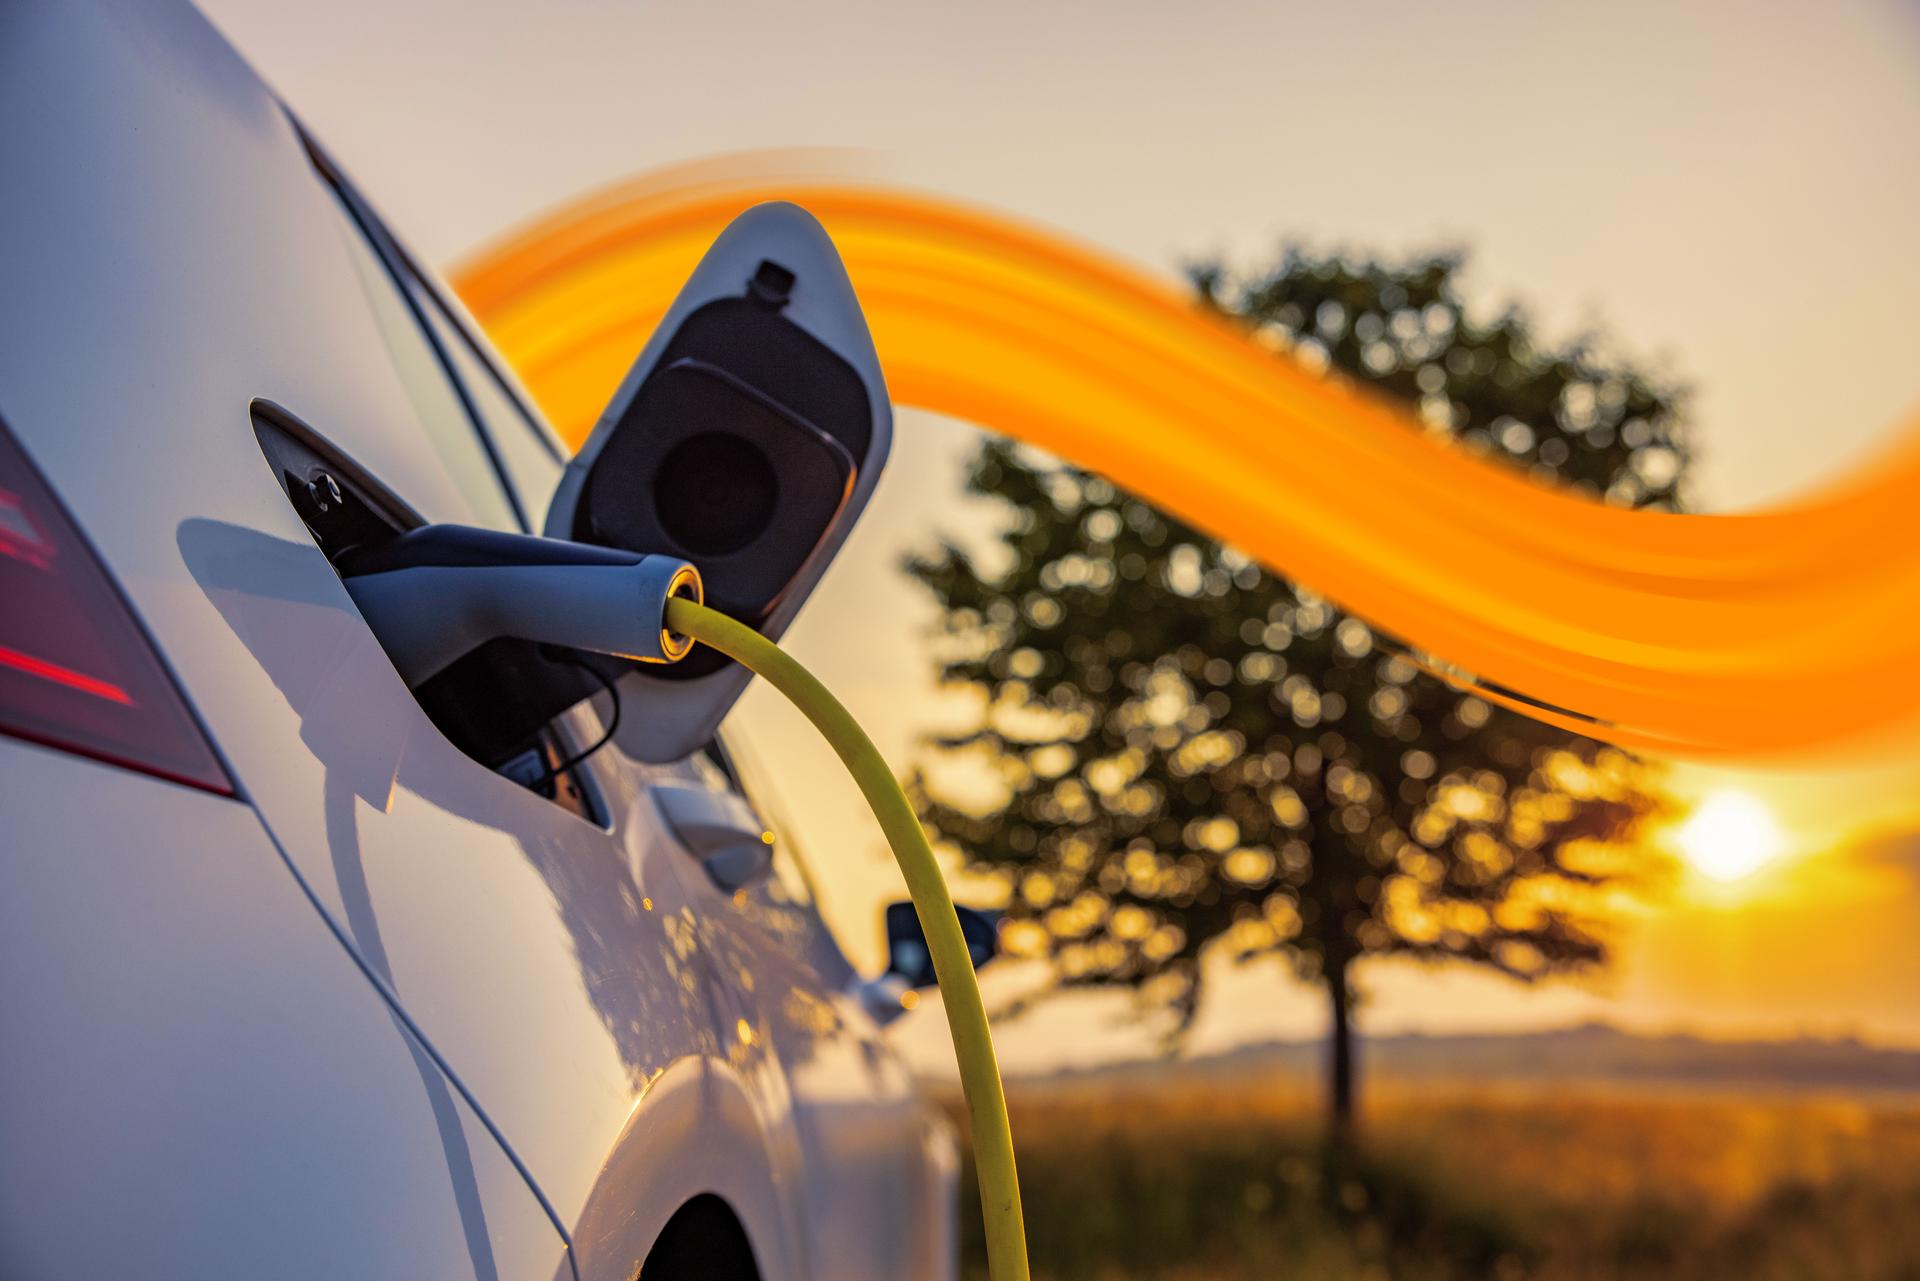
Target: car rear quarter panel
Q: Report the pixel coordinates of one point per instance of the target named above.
(198, 1080)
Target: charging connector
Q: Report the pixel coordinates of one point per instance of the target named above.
(439, 592)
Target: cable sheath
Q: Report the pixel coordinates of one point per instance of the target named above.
(959, 990)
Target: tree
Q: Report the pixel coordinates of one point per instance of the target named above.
(1194, 755)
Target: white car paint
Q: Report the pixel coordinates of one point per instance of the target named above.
(389, 1014)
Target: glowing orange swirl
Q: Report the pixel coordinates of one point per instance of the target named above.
(1792, 631)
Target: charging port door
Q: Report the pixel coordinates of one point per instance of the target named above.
(747, 439)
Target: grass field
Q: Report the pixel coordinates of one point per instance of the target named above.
(1231, 1181)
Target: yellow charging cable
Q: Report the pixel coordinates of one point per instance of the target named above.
(959, 991)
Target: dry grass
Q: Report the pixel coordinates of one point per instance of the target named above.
(1229, 1180)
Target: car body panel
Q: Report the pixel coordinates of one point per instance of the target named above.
(208, 1086)
(414, 850)
(857, 1119)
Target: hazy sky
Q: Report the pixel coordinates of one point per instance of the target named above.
(1731, 189)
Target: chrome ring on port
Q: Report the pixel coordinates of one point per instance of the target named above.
(685, 582)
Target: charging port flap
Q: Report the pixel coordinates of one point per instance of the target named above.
(746, 439)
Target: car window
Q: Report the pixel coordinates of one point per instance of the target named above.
(527, 452)
(437, 403)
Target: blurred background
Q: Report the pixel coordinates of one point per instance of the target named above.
(1319, 968)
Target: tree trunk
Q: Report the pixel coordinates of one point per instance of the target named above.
(1340, 1064)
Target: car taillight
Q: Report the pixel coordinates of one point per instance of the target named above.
(76, 671)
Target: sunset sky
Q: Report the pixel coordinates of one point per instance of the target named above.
(1727, 189)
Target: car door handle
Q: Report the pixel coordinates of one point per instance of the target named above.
(721, 830)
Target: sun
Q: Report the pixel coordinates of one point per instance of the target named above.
(1730, 836)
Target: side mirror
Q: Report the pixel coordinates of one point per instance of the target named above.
(746, 439)
(908, 959)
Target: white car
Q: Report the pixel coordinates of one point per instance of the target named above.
(311, 970)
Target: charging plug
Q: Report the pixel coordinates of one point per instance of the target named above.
(437, 593)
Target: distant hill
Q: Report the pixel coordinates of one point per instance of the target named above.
(1593, 1052)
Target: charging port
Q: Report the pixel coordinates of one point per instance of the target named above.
(498, 704)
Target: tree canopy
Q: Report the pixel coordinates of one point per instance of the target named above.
(1196, 755)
